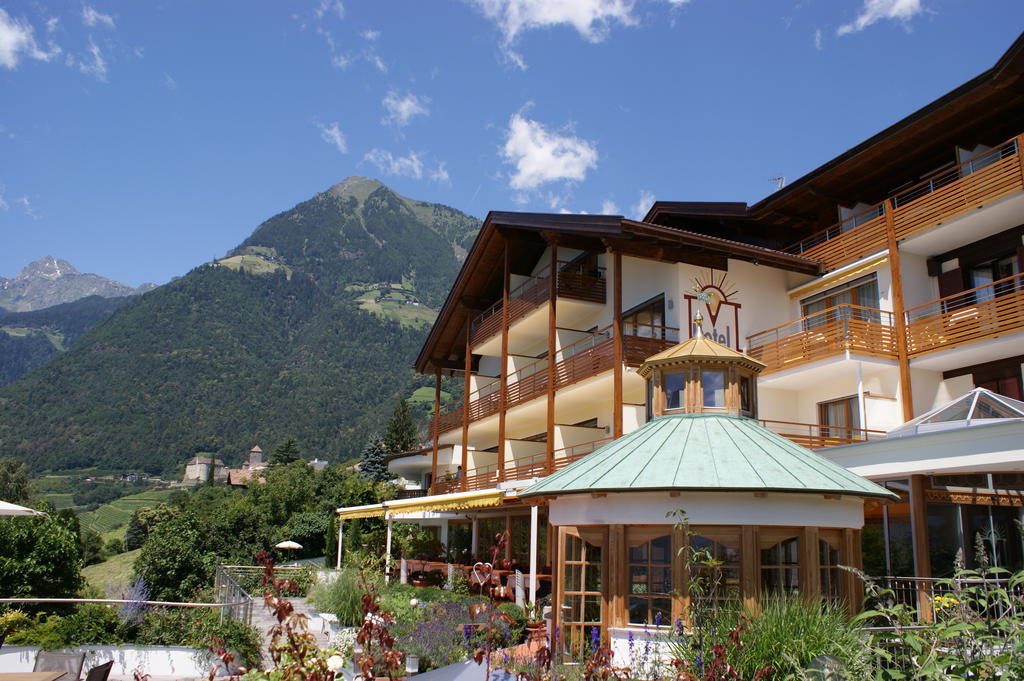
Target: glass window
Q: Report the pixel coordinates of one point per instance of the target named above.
(831, 574)
(582, 593)
(862, 292)
(780, 567)
(650, 582)
(715, 573)
(646, 321)
(843, 416)
(944, 537)
(673, 384)
(713, 385)
(746, 395)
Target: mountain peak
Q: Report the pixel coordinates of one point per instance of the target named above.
(46, 268)
(355, 186)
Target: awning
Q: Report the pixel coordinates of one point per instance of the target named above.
(439, 502)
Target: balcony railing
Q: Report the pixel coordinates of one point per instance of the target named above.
(836, 330)
(587, 357)
(980, 313)
(939, 197)
(524, 468)
(574, 280)
(815, 436)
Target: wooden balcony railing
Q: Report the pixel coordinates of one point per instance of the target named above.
(523, 468)
(591, 355)
(815, 436)
(980, 313)
(939, 197)
(573, 281)
(833, 331)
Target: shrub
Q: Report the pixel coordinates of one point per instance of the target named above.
(342, 597)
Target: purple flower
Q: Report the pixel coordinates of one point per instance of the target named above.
(657, 619)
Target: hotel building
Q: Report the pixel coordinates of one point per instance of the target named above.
(875, 289)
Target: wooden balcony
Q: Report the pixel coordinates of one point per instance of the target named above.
(938, 198)
(981, 313)
(573, 281)
(815, 436)
(834, 331)
(587, 357)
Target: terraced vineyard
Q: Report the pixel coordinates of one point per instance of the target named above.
(60, 501)
(114, 516)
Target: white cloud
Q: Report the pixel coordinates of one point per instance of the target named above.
(341, 61)
(332, 135)
(52, 24)
(17, 39)
(400, 110)
(26, 206)
(90, 17)
(440, 174)
(96, 66)
(539, 156)
(642, 205)
(370, 35)
(608, 207)
(389, 164)
(170, 83)
(817, 39)
(3, 203)
(330, 7)
(876, 10)
(378, 62)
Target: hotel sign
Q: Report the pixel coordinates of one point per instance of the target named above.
(713, 297)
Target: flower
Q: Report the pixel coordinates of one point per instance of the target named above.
(414, 602)
(335, 663)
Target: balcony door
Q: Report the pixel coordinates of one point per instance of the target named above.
(862, 292)
(839, 418)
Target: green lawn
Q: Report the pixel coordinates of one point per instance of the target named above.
(111, 575)
(253, 264)
(426, 394)
(392, 308)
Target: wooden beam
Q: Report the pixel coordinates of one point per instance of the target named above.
(898, 313)
(617, 573)
(671, 254)
(750, 565)
(919, 530)
(503, 380)
(437, 433)
(552, 349)
(617, 325)
(465, 409)
(810, 569)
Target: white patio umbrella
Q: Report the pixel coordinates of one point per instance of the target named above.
(14, 509)
(288, 544)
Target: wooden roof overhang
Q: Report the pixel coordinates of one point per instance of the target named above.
(527, 235)
(988, 109)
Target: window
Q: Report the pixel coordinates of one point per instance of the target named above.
(780, 567)
(831, 574)
(582, 591)
(646, 320)
(673, 385)
(712, 383)
(862, 292)
(650, 582)
(746, 396)
(715, 573)
(839, 418)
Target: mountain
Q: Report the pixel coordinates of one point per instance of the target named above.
(294, 333)
(48, 281)
(30, 339)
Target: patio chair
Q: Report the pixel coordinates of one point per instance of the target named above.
(69, 663)
(99, 672)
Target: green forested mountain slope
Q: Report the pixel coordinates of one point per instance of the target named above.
(30, 339)
(225, 358)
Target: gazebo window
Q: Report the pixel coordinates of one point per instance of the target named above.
(650, 582)
(674, 385)
(717, 572)
(582, 590)
(746, 395)
(831, 575)
(780, 567)
(713, 386)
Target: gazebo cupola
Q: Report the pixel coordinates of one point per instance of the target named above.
(702, 376)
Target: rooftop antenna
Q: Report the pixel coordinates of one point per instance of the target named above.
(779, 180)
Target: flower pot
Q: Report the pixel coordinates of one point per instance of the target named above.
(412, 664)
(419, 582)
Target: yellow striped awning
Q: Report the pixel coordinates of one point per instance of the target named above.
(440, 502)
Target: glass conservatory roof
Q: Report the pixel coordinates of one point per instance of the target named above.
(979, 407)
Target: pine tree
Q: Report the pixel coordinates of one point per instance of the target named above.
(401, 432)
(373, 460)
(286, 452)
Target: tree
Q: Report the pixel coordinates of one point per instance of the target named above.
(286, 452)
(14, 485)
(373, 460)
(401, 433)
(143, 522)
(174, 560)
(40, 558)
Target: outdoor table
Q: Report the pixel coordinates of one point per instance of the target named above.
(32, 676)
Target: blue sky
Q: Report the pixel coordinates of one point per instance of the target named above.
(140, 139)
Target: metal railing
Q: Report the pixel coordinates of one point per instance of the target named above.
(919, 593)
(939, 197)
(832, 331)
(235, 601)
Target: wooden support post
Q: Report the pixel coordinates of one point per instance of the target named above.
(919, 532)
(619, 358)
(533, 553)
(850, 555)
(750, 568)
(559, 587)
(810, 568)
(615, 603)
(468, 368)
(552, 349)
(898, 314)
(437, 434)
(503, 384)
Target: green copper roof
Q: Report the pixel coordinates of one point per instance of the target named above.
(706, 452)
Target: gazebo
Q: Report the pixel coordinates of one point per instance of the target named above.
(778, 517)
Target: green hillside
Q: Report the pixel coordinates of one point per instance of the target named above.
(224, 358)
(115, 515)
